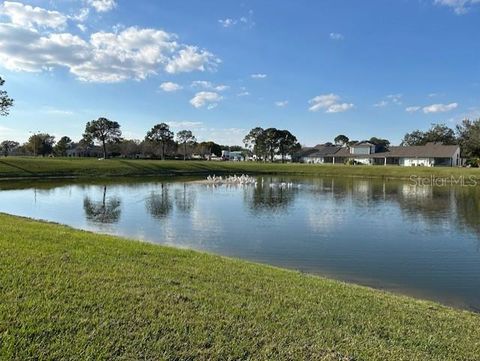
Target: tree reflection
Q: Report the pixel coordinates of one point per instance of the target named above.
(104, 211)
(184, 199)
(159, 204)
(270, 196)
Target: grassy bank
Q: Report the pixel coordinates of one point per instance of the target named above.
(19, 167)
(68, 294)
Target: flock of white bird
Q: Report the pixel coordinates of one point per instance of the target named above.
(247, 180)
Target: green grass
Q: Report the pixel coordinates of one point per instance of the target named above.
(68, 294)
(25, 167)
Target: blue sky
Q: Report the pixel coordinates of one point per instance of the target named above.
(318, 68)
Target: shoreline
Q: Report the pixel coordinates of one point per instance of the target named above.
(19, 168)
(93, 281)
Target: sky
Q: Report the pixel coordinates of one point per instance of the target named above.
(219, 68)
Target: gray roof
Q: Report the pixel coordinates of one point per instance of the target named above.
(430, 150)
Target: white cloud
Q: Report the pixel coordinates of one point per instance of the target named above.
(55, 111)
(381, 104)
(170, 86)
(336, 36)
(439, 108)
(258, 76)
(30, 17)
(209, 85)
(281, 103)
(395, 98)
(102, 6)
(81, 16)
(82, 27)
(330, 103)
(459, 6)
(243, 20)
(190, 59)
(413, 109)
(243, 93)
(131, 53)
(185, 124)
(226, 23)
(210, 99)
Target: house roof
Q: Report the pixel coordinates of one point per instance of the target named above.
(430, 150)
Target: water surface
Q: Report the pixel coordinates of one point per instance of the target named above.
(418, 240)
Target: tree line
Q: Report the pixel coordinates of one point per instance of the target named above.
(103, 138)
(262, 144)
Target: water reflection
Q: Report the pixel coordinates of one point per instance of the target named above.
(185, 199)
(159, 203)
(270, 196)
(420, 240)
(107, 210)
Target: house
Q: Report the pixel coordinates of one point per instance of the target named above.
(233, 156)
(428, 155)
(322, 153)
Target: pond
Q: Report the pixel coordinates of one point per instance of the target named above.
(417, 240)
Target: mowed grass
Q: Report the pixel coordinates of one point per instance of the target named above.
(23, 167)
(70, 295)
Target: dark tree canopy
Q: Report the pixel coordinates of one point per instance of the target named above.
(103, 131)
(5, 101)
(381, 144)
(40, 144)
(7, 146)
(468, 133)
(341, 139)
(162, 135)
(62, 146)
(438, 133)
(185, 137)
(266, 143)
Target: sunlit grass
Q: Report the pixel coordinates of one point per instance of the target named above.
(68, 294)
(13, 167)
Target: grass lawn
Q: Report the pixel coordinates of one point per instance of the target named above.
(28, 167)
(68, 294)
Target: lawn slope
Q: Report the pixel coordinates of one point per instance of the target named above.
(25, 167)
(68, 294)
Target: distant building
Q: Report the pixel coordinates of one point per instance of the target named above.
(236, 156)
(428, 155)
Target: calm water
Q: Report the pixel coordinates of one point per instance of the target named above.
(421, 241)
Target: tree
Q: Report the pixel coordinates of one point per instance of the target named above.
(7, 146)
(104, 131)
(5, 101)
(129, 148)
(40, 144)
(185, 137)
(341, 140)
(381, 143)
(287, 143)
(468, 134)
(62, 146)
(255, 141)
(272, 142)
(161, 135)
(438, 133)
(417, 137)
(206, 149)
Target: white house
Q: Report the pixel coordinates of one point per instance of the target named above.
(428, 155)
